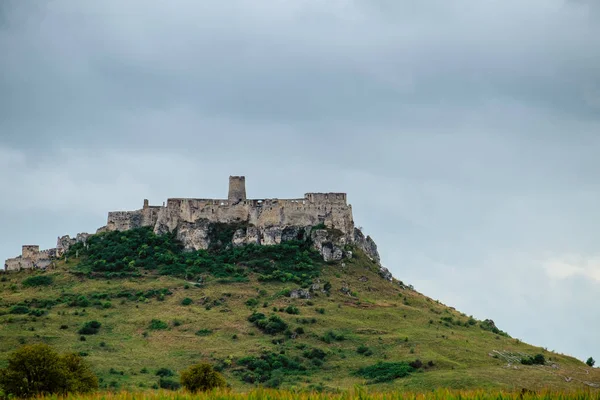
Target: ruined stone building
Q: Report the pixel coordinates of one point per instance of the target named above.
(260, 221)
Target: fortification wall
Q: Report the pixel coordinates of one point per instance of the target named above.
(17, 264)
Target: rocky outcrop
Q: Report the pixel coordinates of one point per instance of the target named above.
(194, 236)
(328, 244)
(366, 244)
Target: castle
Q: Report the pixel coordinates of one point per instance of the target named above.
(260, 221)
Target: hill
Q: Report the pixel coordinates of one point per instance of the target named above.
(141, 308)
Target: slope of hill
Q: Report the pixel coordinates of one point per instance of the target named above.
(273, 315)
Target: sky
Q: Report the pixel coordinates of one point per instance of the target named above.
(466, 133)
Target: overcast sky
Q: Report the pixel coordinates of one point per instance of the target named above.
(466, 132)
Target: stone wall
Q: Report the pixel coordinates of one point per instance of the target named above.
(266, 221)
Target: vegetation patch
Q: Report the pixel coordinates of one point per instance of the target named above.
(385, 372)
(128, 253)
(269, 368)
(157, 324)
(38, 280)
(90, 328)
(271, 325)
(538, 359)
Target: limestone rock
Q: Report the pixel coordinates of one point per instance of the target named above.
(239, 238)
(300, 294)
(325, 244)
(194, 236)
(385, 274)
(366, 244)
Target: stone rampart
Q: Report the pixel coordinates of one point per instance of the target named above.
(267, 221)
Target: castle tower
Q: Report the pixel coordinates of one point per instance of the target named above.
(237, 189)
(31, 252)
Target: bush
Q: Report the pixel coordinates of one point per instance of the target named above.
(538, 359)
(590, 362)
(203, 332)
(38, 280)
(364, 350)
(90, 328)
(385, 372)
(186, 302)
(19, 310)
(251, 302)
(271, 326)
(164, 372)
(331, 336)
(201, 377)
(38, 369)
(157, 324)
(292, 310)
(168, 384)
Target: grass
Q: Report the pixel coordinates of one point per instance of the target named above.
(357, 393)
(332, 322)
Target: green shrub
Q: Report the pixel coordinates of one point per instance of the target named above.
(168, 384)
(80, 301)
(186, 302)
(90, 328)
(37, 313)
(157, 324)
(590, 362)
(18, 309)
(203, 332)
(271, 326)
(164, 372)
(331, 336)
(201, 377)
(385, 372)
(38, 280)
(292, 310)
(261, 369)
(251, 302)
(38, 369)
(364, 350)
(538, 359)
(314, 353)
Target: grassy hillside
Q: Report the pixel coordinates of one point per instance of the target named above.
(160, 310)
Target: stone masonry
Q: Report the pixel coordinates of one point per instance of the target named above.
(264, 221)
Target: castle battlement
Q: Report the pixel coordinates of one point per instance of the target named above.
(274, 214)
(265, 221)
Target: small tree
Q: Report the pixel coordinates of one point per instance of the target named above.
(38, 369)
(201, 377)
(590, 362)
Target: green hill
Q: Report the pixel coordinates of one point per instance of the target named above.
(141, 309)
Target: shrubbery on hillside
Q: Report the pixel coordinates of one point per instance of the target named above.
(201, 377)
(38, 280)
(121, 254)
(385, 372)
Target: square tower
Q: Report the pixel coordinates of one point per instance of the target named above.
(237, 189)
(31, 251)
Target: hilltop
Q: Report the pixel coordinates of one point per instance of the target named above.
(161, 308)
(279, 293)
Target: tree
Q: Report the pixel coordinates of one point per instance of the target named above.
(590, 362)
(38, 369)
(201, 377)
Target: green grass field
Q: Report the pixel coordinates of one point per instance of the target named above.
(333, 336)
(358, 394)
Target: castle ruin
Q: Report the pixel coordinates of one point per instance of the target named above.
(261, 221)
